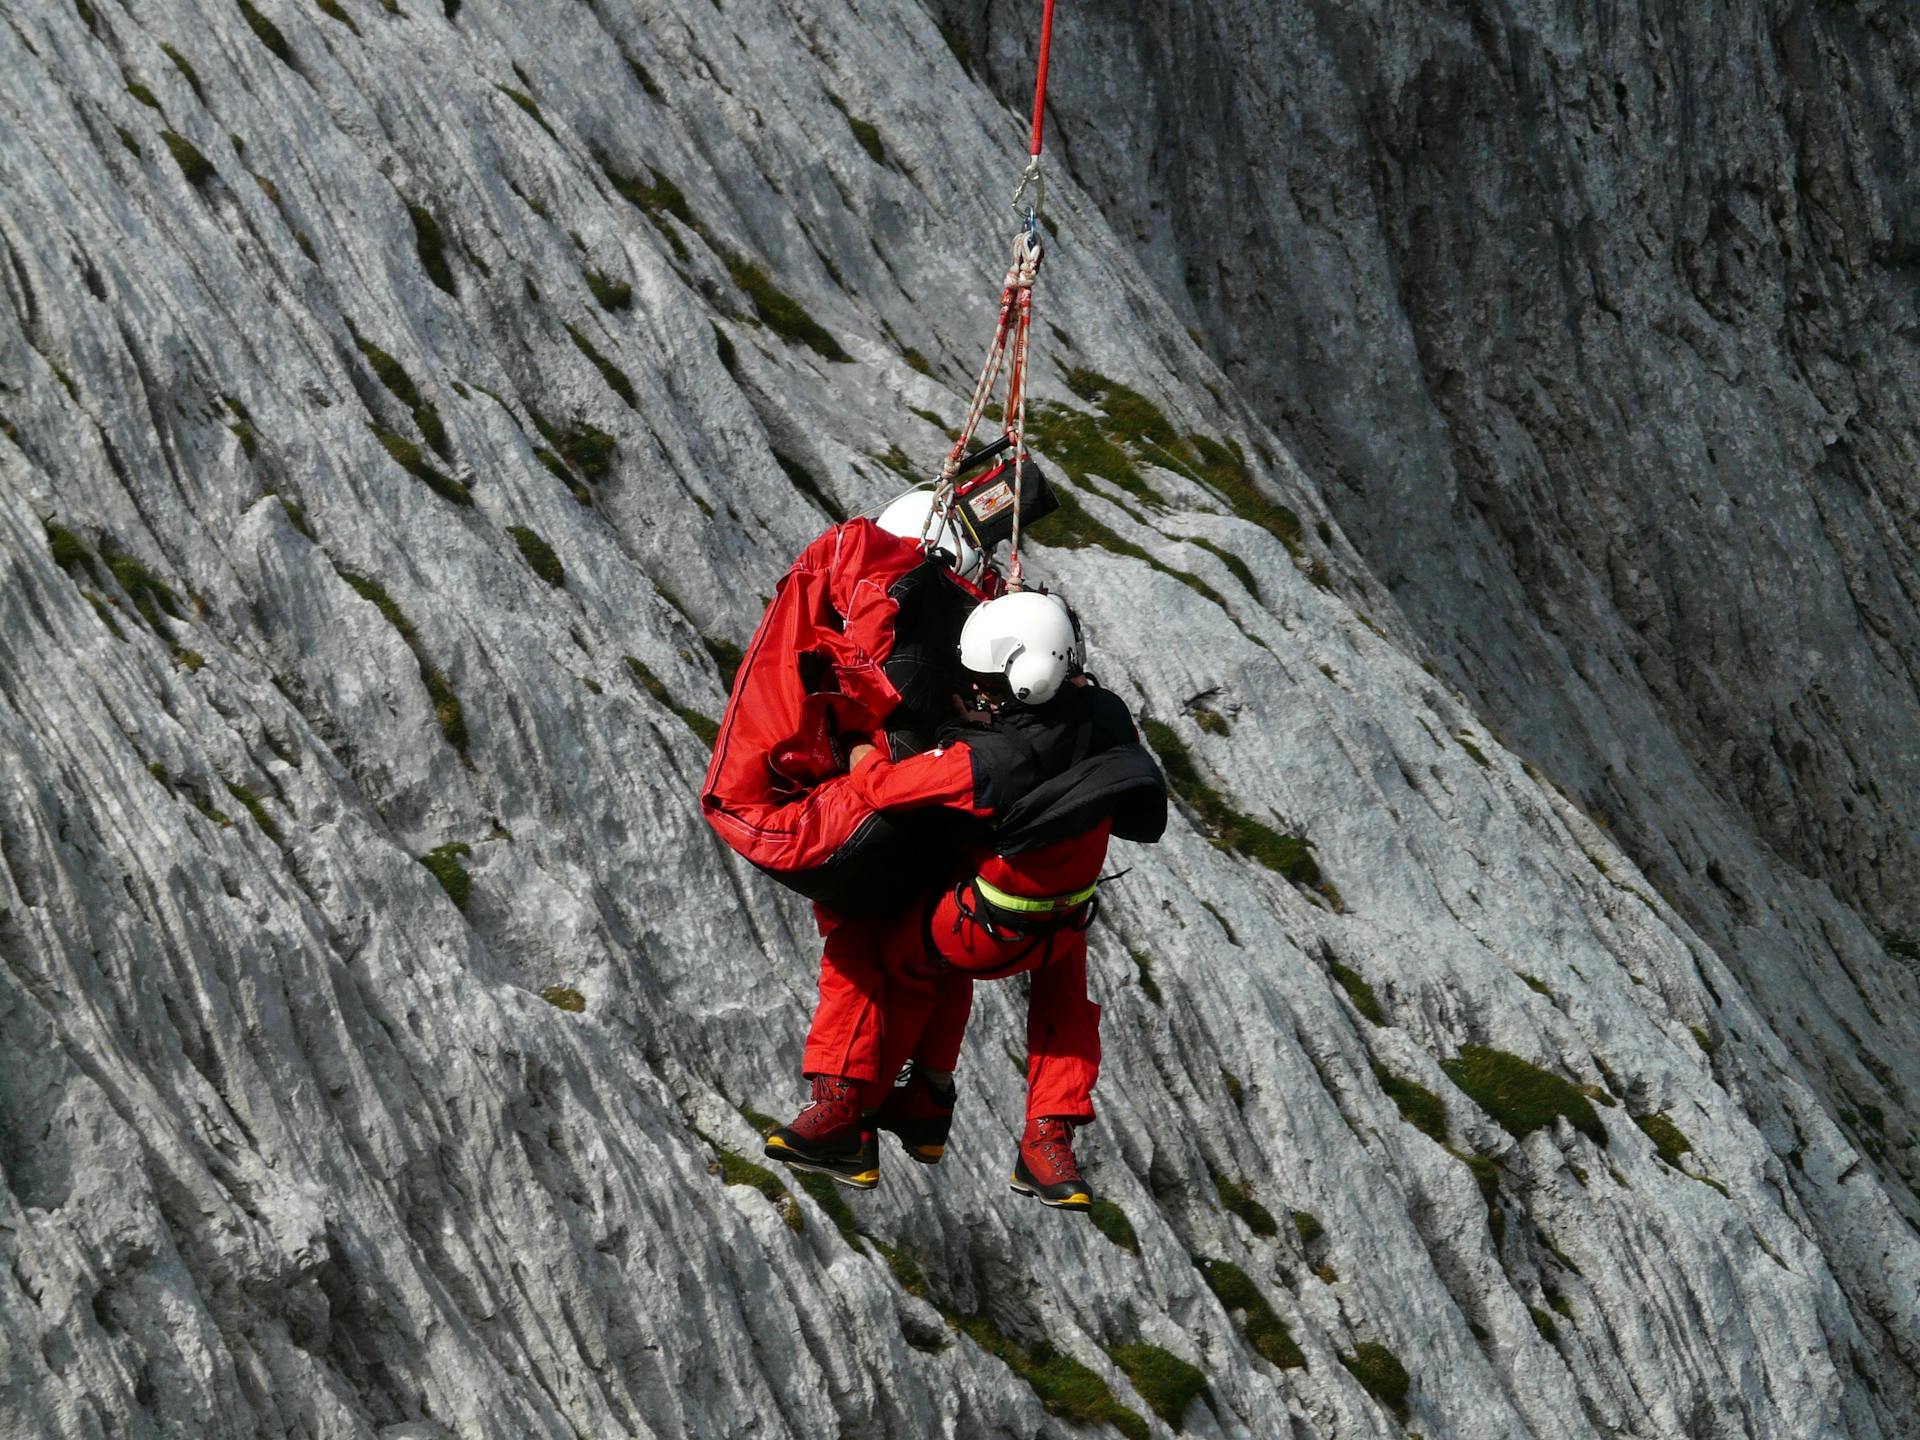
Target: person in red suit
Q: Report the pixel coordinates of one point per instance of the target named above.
(1046, 769)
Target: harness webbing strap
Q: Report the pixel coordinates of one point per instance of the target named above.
(1032, 905)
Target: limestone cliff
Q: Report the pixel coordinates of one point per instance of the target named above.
(406, 410)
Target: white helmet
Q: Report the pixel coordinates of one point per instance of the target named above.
(1027, 637)
(911, 518)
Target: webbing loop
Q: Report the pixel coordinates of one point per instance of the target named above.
(1032, 905)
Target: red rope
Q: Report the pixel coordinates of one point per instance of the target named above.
(1040, 80)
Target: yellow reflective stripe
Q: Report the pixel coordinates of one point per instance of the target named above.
(1027, 905)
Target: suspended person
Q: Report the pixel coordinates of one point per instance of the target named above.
(1047, 768)
(859, 647)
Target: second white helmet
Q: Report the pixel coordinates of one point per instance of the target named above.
(1027, 637)
(911, 518)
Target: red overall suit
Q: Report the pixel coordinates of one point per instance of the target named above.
(917, 1004)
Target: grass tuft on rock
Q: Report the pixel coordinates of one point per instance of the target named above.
(250, 800)
(1111, 1221)
(704, 728)
(150, 595)
(1358, 991)
(1066, 1387)
(864, 133)
(1236, 1201)
(443, 863)
(738, 1170)
(615, 377)
(612, 294)
(195, 166)
(447, 711)
(1166, 1382)
(431, 245)
(564, 997)
(1381, 1375)
(538, 555)
(267, 33)
(808, 484)
(407, 455)
(1418, 1106)
(333, 10)
(826, 1194)
(69, 551)
(1667, 1137)
(780, 312)
(656, 198)
(1287, 855)
(1520, 1096)
(1265, 1331)
(1307, 1226)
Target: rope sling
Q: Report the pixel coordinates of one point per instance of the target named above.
(1016, 318)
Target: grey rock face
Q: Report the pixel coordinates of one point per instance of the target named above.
(315, 562)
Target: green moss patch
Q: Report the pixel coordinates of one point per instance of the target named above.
(250, 800)
(1111, 1221)
(187, 72)
(1519, 1095)
(564, 997)
(1358, 991)
(863, 131)
(780, 312)
(443, 863)
(808, 484)
(612, 294)
(1265, 1331)
(736, 1169)
(151, 596)
(1236, 1091)
(1666, 1136)
(1381, 1375)
(581, 447)
(142, 94)
(1143, 967)
(195, 166)
(1286, 855)
(1418, 1106)
(1307, 1227)
(726, 656)
(1166, 1382)
(826, 1194)
(69, 551)
(1066, 1387)
(333, 10)
(393, 375)
(529, 106)
(1072, 527)
(538, 555)
(1236, 1201)
(615, 377)
(1235, 565)
(267, 33)
(447, 711)
(657, 198)
(431, 245)
(408, 457)
(704, 728)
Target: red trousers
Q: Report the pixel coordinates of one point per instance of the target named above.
(902, 988)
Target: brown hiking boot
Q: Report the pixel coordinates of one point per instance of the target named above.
(1045, 1167)
(831, 1135)
(920, 1114)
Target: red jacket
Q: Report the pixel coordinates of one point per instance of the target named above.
(775, 790)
